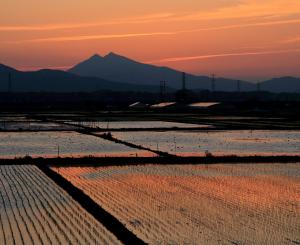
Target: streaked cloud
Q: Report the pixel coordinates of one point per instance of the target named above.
(86, 25)
(248, 9)
(65, 26)
(94, 37)
(136, 35)
(57, 33)
(45, 27)
(265, 23)
(242, 10)
(211, 56)
(291, 40)
(36, 68)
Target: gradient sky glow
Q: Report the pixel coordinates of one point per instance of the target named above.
(248, 39)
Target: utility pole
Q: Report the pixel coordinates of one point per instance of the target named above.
(213, 83)
(238, 85)
(162, 90)
(183, 81)
(258, 87)
(9, 83)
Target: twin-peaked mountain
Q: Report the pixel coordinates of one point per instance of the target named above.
(118, 73)
(119, 68)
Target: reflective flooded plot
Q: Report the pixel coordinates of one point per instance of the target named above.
(137, 124)
(52, 144)
(240, 142)
(34, 210)
(199, 204)
(33, 125)
(14, 118)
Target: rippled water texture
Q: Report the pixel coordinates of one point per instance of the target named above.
(52, 144)
(244, 142)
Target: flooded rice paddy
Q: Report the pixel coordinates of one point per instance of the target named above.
(238, 142)
(199, 204)
(136, 124)
(34, 210)
(33, 126)
(160, 204)
(63, 144)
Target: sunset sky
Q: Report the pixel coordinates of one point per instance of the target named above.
(247, 39)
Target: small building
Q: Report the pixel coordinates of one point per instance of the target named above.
(204, 105)
(138, 105)
(163, 105)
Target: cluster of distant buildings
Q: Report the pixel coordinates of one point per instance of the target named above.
(167, 105)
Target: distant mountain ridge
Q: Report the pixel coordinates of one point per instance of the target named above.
(5, 68)
(119, 68)
(60, 81)
(282, 84)
(118, 73)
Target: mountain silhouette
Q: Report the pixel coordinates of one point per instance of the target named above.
(282, 84)
(118, 73)
(119, 68)
(6, 69)
(60, 81)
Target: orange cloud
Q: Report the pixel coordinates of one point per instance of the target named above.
(292, 40)
(96, 37)
(47, 31)
(249, 8)
(201, 57)
(134, 35)
(135, 20)
(245, 9)
(268, 23)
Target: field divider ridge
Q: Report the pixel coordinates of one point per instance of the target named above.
(133, 161)
(101, 215)
(109, 136)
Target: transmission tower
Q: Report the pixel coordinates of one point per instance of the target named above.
(258, 86)
(213, 82)
(183, 81)
(9, 89)
(238, 85)
(162, 90)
